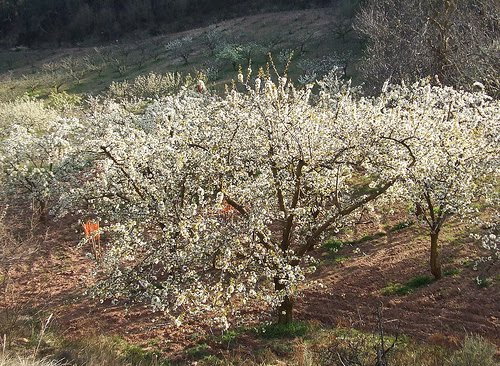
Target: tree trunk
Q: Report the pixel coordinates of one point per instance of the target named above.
(435, 257)
(42, 206)
(285, 310)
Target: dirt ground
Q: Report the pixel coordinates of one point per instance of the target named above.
(53, 280)
(443, 311)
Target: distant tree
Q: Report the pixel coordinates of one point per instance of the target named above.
(34, 152)
(457, 40)
(181, 47)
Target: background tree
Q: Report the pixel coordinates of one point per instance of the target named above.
(457, 160)
(34, 153)
(457, 40)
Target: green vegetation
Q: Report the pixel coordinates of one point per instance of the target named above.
(340, 259)
(475, 351)
(199, 351)
(230, 336)
(290, 330)
(368, 238)
(401, 226)
(334, 245)
(408, 287)
(452, 272)
(484, 282)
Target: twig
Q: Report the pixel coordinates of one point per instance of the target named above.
(42, 333)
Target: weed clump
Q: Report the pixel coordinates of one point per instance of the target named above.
(290, 330)
(408, 287)
(475, 351)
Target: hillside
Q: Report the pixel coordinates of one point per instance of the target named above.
(65, 22)
(353, 280)
(216, 50)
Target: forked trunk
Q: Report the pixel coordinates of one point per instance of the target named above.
(435, 257)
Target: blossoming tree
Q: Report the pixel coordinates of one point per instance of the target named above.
(35, 152)
(213, 201)
(457, 152)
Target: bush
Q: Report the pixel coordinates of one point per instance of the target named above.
(149, 86)
(475, 351)
(26, 112)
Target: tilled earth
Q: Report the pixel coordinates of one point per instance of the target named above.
(346, 292)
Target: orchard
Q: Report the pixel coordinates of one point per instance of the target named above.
(208, 202)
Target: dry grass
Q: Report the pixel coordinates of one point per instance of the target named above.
(23, 361)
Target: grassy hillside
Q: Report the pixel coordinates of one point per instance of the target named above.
(58, 22)
(319, 39)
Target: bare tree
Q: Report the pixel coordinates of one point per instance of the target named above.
(457, 40)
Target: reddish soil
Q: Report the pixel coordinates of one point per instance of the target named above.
(443, 311)
(53, 280)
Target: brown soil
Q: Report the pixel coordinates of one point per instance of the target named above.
(447, 309)
(54, 278)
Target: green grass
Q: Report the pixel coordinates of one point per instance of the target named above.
(407, 287)
(199, 351)
(291, 330)
(333, 245)
(401, 226)
(340, 259)
(452, 272)
(484, 282)
(229, 337)
(368, 238)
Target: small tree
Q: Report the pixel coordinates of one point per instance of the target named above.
(457, 160)
(182, 47)
(34, 154)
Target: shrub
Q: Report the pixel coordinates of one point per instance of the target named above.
(475, 351)
(149, 86)
(26, 112)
